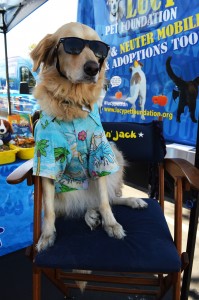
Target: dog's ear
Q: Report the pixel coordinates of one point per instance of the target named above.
(121, 9)
(8, 126)
(44, 52)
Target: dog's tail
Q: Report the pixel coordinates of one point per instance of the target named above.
(82, 284)
(177, 80)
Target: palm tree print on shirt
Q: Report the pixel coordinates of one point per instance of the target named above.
(61, 154)
(41, 150)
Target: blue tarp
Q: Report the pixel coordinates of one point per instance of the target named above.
(16, 212)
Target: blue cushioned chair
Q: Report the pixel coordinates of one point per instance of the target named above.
(148, 261)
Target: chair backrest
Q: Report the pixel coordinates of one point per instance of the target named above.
(138, 141)
(143, 146)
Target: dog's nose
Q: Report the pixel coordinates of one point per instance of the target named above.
(91, 68)
(2, 130)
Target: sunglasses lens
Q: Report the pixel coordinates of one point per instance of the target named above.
(100, 49)
(73, 45)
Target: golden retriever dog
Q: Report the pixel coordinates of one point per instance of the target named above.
(72, 67)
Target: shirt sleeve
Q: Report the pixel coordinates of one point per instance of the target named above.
(52, 153)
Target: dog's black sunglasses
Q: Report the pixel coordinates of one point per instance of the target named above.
(74, 45)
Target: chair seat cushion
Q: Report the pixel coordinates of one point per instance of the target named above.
(147, 247)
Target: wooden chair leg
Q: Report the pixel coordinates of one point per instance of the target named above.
(176, 287)
(37, 231)
(36, 284)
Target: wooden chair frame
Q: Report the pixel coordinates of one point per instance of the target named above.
(186, 177)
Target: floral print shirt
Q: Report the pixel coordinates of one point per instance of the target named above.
(72, 152)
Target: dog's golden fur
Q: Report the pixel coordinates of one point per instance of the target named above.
(63, 97)
(54, 89)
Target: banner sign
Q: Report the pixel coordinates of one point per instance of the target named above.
(152, 68)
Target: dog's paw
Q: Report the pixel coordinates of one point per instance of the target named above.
(136, 203)
(92, 218)
(118, 192)
(115, 230)
(45, 242)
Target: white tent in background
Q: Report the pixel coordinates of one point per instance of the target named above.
(11, 13)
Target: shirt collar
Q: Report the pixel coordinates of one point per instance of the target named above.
(94, 114)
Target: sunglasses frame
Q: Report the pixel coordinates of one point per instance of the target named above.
(85, 43)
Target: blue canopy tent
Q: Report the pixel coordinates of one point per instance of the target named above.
(13, 12)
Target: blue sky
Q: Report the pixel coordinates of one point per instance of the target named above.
(46, 19)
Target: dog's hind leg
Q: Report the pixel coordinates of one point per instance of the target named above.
(142, 100)
(47, 237)
(92, 218)
(131, 201)
(181, 106)
(134, 93)
(111, 226)
(192, 108)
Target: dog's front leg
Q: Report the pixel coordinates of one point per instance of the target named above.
(111, 226)
(47, 237)
(142, 100)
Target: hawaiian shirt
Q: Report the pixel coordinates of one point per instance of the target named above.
(72, 152)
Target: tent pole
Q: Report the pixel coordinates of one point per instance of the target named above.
(7, 73)
(197, 148)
